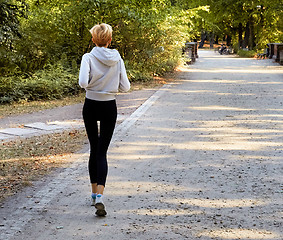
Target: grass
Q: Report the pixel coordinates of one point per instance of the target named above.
(34, 106)
(25, 160)
(247, 53)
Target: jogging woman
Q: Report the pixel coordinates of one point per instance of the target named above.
(102, 74)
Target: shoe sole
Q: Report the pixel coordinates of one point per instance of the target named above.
(100, 209)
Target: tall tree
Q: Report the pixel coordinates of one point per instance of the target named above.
(10, 12)
(251, 23)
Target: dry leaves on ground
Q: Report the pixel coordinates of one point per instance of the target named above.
(24, 160)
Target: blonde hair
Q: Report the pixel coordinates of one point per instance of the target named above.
(101, 34)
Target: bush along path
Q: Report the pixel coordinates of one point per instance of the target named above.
(201, 159)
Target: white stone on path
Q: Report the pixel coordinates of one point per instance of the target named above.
(68, 124)
(18, 131)
(44, 126)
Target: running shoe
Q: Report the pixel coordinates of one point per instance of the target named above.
(93, 197)
(99, 205)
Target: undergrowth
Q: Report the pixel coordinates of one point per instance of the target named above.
(53, 82)
(246, 53)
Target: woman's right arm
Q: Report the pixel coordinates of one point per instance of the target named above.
(84, 72)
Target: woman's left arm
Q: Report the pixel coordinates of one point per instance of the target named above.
(124, 84)
(84, 72)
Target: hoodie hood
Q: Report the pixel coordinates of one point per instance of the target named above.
(109, 57)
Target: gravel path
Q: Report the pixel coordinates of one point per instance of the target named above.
(200, 159)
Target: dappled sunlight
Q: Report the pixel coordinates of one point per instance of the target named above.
(226, 144)
(132, 147)
(219, 203)
(163, 212)
(225, 94)
(132, 187)
(275, 110)
(192, 91)
(235, 125)
(221, 108)
(216, 137)
(211, 91)
(137, 157)
(235, 94)
(213, 135)
(237, 70)
(225, 81)
(234, 233)
(213, 81)
(268, 116)
(264, 158)
(206, 156)
(227, 131)
(129, 150)
(158, 129)
(263, 82)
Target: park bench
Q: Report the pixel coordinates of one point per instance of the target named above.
(275, 52)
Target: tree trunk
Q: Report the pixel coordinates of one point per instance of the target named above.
(211, 40)
(247, 35)
(216, 39)
(203, 37)
(229, 40)
(240, 37)
(252, 35)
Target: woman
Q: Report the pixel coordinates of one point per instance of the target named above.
(102, 74)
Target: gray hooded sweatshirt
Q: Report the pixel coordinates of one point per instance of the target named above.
(102, 74)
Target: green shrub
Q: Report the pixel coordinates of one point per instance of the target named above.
(53, 82)
(247, 53)
(147, 34)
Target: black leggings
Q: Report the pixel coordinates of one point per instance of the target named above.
(106, 113)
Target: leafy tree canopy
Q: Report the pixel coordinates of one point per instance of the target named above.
(10, 14)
